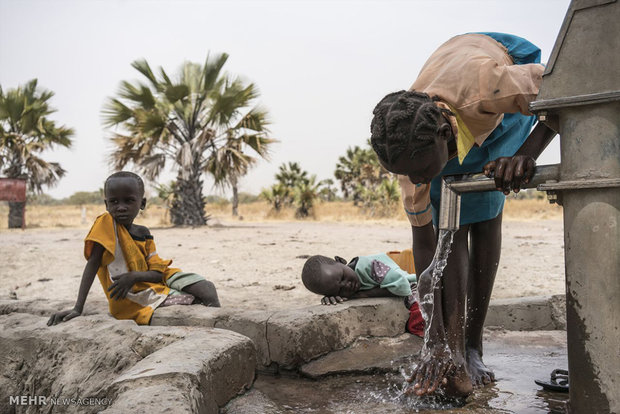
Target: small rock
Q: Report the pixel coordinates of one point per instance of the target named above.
(283, 287)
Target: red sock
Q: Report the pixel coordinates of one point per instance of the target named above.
(415, 324)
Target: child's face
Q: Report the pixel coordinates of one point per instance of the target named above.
(338, 280)
(123, 199)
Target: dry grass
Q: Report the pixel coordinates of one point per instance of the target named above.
(531, 209)
(339, 211)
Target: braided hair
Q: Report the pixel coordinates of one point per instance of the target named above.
(125, 174)
(404, 120)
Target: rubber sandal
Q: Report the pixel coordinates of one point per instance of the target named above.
(557, 383)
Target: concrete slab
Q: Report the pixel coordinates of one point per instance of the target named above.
(365, 356)
(47, 307)
(300, 335)
(252, 324)
(210, 367)
(534, 313)
(292, 337)
(134, 368)
(516, 357)
(194, 315)
(288, 339)
(252, 402)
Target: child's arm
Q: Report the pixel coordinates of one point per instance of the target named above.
(376, 292)
(123, 283)
(90, 270)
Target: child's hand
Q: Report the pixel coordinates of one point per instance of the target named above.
(332, 300)
(63, 316)
(121, 286)
(510, 173)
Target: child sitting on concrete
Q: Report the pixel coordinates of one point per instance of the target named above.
(134, 278)
(378, 275)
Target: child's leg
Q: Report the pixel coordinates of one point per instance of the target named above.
(485, 248)
(454, 290)
(205, 291)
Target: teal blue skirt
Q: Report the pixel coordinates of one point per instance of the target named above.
(504, 141)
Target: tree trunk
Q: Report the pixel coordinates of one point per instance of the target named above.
(188, 206)
(235, 199)
(16, 214)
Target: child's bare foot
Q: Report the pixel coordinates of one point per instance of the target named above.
(431, 371)
(459, 384)
(480, 374)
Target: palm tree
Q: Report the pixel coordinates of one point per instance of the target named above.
(328, 191)
(357, 170)
(26, 132)
(380, 200)
(275, 195)
(186, 122)
(229, 162)
(306, 193)
(290, 176)
(347, 171)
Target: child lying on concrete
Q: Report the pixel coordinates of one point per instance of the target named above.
(134, 278)
(378, 275)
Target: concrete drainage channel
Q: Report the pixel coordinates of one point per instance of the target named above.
(196, 360)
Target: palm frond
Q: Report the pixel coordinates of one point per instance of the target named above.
(211, 71)
(142, 66)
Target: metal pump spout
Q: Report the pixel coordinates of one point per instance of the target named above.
(453, 185)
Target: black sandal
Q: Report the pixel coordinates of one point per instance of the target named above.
(558, 381)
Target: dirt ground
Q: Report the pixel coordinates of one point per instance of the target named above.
(258, 265)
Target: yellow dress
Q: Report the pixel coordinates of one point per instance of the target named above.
(137, 255)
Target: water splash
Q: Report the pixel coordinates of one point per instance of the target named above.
(396, 392)
(394, 395)
(427, 303)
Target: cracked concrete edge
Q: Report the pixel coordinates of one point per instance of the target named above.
(46, 307)
(532, 313)
(179, 368)
(198, 374)
(300, 335)
(252, 324)
(291, 337)
(366, 355)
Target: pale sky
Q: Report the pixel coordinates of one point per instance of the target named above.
(321, 66)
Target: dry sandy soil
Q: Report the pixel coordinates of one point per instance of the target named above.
(257, 265)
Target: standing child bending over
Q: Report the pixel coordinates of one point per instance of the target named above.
(378, 275)
(134, 278)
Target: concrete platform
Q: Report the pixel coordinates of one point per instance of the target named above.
(287, 339)
(290, 338)
(123, 366)
(535, 313)
(195, 359)
(517, 358)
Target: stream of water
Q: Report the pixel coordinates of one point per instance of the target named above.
(427, 302)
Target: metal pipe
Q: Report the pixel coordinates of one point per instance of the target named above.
(453, 185)
(449, 208)
(470, 183)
